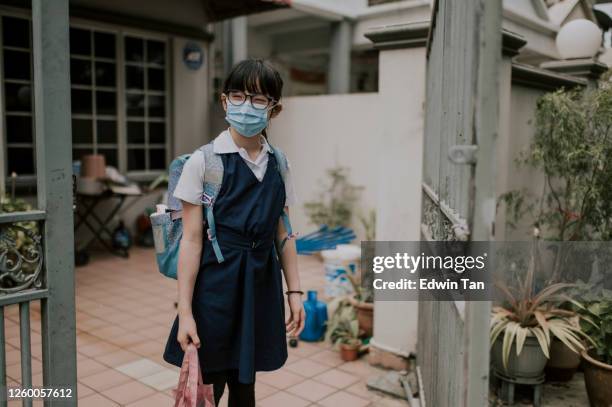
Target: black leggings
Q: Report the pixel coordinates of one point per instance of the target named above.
(240, 394)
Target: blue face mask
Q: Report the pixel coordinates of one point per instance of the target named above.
(247, 120)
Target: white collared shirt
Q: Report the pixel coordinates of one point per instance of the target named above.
(191, 182)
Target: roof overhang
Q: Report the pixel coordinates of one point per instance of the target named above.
(217, 10)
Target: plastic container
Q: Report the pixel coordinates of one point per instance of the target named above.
(337, 263)
(316, 317)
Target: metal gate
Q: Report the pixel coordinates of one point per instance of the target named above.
(463, 58)
(36, 246)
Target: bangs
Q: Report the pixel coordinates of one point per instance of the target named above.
(255, 76)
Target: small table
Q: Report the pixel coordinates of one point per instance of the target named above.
(86, 214)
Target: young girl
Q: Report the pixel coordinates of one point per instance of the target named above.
(234, 311)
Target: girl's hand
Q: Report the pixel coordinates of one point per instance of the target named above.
(297, 316)
(187, 332)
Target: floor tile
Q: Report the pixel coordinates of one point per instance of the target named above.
(140, 368)
(156, 400)
(311, 390)
(336, 378)
(307, 367)
(283, 399)
(128, 392)
(96, 400)
(327, 357)
(280, 379)
(105, 380)
(343, 398)
(166, 379)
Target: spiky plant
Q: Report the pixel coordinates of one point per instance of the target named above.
(527, 313)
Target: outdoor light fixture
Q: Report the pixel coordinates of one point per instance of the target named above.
(579, 38)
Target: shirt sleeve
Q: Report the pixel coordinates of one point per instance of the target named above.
(191, 182)
(291, 199)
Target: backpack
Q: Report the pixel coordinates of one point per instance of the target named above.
(168, 225)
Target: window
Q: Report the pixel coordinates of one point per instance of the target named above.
(93, 77)
(119, 92)
(17, 83)
(145, 101)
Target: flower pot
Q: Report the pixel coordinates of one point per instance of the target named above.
(563, 362)
(348, 352)
(598, 380)
(529, 364)
(365, 315)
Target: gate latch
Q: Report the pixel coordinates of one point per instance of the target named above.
(463, 154)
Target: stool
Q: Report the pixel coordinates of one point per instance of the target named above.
(508, 385)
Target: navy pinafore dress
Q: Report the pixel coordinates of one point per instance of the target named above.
(238, 305)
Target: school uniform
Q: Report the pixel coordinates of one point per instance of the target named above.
(238, 305)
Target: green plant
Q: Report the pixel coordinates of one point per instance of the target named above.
(363, 292)
(343, 327)
(369, 225)
(572, 146)
(527, 313)
(596, 311)
(337, 200)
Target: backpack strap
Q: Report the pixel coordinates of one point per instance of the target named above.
(283, 168)
(213, 178)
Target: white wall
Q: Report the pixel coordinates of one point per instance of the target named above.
(191, 93)
(402, 91)
(320, 132)
(379, 136)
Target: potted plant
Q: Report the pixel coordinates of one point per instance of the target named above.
(529, 320)
(343, 330)
(572, 148)
(337, 200)
(363, 303)
(597, 323)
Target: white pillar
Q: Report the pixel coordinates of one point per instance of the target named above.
(339, 74)
(239, 39)
(402, 63)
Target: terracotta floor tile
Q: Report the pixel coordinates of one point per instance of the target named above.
(360, 368)
(311, 390)
(283, 399)
(263, 390)
(128, 392)
(96, 400)
(156, 400)
(327, 357)
(108, 331)
(97, 349)
(87, 367)
(359, 389)
(343, 398)
(105, 380)
(336, 378)
(84, 391)
(304, 349)
(280, 379)
(307, 367)
(127, 339)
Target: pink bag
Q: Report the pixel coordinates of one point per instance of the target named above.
(191, 390)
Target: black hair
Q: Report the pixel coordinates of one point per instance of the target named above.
(255, 76)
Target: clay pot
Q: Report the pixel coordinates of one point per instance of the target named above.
(563, 362)
(597, 378)
(349, 352)
(365, 315)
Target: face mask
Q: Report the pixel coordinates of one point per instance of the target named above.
(247, 120)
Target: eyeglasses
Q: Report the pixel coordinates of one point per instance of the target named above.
(258, 100)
